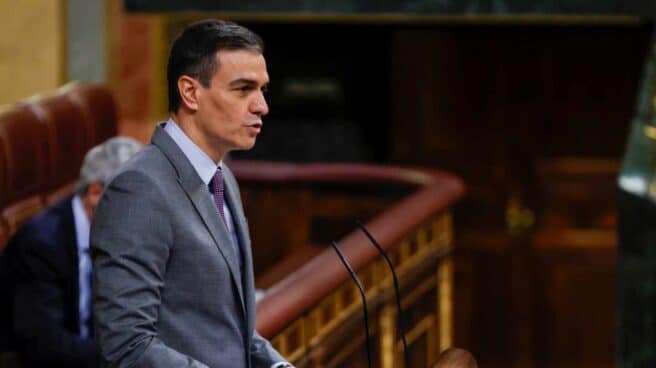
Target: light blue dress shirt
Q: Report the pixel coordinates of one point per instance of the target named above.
(82, 228)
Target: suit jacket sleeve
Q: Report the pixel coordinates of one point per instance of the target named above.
(130, 242)
(263, 355)
(38, 304)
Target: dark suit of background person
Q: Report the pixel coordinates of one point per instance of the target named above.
(170, 287)
(43, 259)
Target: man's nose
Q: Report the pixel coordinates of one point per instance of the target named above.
(259, 105)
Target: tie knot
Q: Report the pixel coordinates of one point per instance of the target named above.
(216, 184)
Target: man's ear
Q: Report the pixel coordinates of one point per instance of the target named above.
(95, 188)
(188, 88)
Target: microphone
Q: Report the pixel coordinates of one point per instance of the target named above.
(397, 293)
(364, 299)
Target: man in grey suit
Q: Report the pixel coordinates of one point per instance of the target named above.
(173, 280)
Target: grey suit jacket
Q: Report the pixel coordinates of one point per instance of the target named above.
(168, 291)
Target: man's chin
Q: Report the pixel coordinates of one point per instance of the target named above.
(246, 145)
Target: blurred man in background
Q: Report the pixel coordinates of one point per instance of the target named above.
(49, 267)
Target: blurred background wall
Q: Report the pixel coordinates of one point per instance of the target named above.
(33, 55)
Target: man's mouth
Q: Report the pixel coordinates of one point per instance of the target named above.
(254, 128)
(254, 124)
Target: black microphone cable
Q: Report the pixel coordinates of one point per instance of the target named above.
(364, 299)
(397, 293)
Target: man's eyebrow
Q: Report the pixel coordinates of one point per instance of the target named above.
(246, 81)
(242, 81)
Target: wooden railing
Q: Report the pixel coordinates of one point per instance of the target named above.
(313, 316)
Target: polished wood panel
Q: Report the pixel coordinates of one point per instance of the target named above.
(535, 120)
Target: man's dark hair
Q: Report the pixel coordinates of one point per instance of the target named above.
(193, 52)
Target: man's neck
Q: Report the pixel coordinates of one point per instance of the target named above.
(188, 125)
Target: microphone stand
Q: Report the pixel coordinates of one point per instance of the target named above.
(362, 294)
(397, 293)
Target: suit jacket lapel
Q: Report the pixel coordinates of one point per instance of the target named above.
(198, 193)
(239, 219)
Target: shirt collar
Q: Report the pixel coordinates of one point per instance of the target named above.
(82, 225)
(202, 163)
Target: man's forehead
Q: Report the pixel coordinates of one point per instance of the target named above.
(241, 65)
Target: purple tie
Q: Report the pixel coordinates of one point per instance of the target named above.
(216, 187)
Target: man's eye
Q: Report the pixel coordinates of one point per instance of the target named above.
(265, 89)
